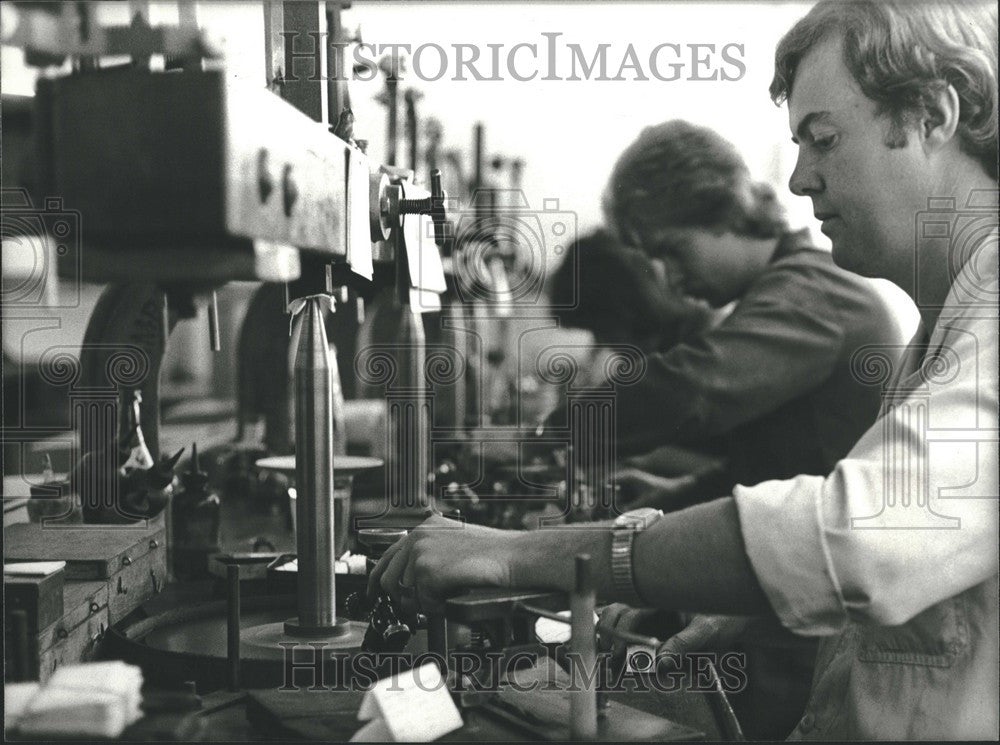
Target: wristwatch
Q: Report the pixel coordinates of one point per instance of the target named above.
(625, 528)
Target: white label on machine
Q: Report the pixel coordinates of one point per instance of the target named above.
(359, 234)
(414, 706)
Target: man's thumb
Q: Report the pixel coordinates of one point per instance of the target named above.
(694, 637)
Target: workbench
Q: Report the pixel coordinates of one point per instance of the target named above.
(270, 714)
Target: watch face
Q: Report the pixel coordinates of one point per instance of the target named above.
(641, 518)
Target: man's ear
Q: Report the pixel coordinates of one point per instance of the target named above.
(940, 121)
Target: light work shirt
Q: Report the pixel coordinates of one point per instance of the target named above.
(893, 556)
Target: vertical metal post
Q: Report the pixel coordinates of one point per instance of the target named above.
(437, 638)
(233, 624)
(477, 154)
(336, 63)
(187, 14)
(274, 45)
(305, 54)
(215, 342)
(315, 528)
(392, 119)
(583, 702)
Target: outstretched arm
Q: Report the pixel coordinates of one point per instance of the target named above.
(690, 560)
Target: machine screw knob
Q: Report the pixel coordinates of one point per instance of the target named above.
(290, 190)
(434, 205)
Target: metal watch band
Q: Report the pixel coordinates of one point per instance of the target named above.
(621, 567)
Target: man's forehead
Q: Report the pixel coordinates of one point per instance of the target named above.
(823, 85)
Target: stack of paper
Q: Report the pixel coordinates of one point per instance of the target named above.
(413, 706)
(16, 697)
(98, 699)
(347, 564)
(33, 568)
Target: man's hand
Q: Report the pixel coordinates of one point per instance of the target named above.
(644, 621)
(440, 558)
(644, 489)
(706, 632)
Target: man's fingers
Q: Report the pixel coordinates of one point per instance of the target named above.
(383, 564)
(696, 636)
(629, 476)
(389, 581)
(608, 620)
(706, 632)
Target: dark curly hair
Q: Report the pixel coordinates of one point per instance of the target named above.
(612, 291)
(679, 175)
(902, 54)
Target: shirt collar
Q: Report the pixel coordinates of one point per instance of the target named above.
(792, 241)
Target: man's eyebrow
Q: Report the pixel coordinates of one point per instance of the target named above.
(807, 120)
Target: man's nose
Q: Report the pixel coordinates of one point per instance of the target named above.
(805, 181)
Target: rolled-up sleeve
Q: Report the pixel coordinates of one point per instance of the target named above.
(908, 518)
(783, 535)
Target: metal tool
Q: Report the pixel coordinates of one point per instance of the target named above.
(314, 472)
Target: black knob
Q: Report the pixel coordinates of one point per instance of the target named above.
(386, 632)
(265, 184)
(434, 206)
(290, 191)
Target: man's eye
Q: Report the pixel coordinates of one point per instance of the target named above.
(825, 142)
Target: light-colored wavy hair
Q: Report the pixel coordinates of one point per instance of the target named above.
(902, 53)
(681, 175)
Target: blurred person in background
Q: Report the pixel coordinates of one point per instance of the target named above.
(623, 299)
(773, 380)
